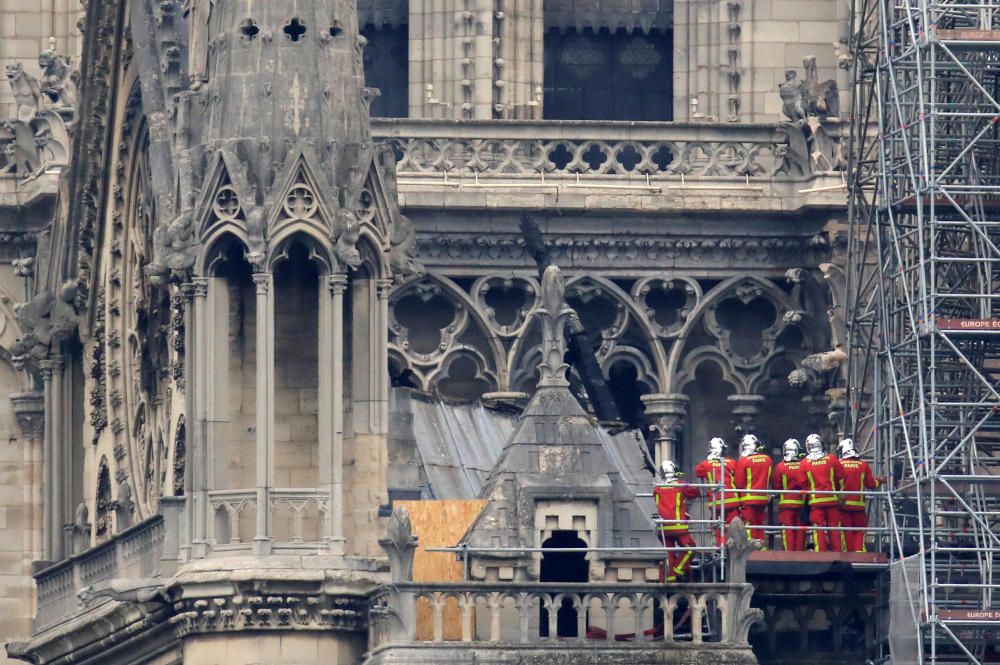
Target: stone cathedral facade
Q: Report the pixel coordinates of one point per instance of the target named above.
(257, 258)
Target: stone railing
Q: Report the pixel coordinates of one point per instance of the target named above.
(529, 614)
(135, 553)
(298, 517)
(560, 149)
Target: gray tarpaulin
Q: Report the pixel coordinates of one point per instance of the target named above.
(905, 607)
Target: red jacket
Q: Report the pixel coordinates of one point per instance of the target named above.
(789, 476)
(753, 472)
(671, 505)
(826, 473)
(710, 471)
(858, 476)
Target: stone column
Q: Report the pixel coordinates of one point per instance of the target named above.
(331, 399)
(197, 371)
(54, 459)
(665, 414)
(379, 359)
(265, 409)
(746, 408)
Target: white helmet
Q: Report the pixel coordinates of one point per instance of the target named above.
(748, 445)
(716, 448)
(847, 448)
(791, 449)
(814, 446)
(669, 471)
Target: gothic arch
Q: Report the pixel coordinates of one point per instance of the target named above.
(743, 288)
(467, 318)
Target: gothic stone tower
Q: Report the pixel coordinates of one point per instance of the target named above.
(225, 249)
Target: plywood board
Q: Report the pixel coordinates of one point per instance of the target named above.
(440, 524)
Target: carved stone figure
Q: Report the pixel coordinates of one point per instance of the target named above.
(175, 246)
(791, 97)
(27, 91)
(403, 248)
(58, 80)
(821, 99)
(46, 320)
(256, 228)
(347, 233)
(123, 505)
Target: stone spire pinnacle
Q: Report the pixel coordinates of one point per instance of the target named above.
(553, 315)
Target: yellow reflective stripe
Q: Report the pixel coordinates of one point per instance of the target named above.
(784, 539)
(673, 527)
(749, 479)
(679, 568)
(677, 507)
(790, 502)
(823, 499)
(755, 496)
(855, 503)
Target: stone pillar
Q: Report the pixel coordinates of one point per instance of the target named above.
(198, 471)
(665, 414)
(265, 409)
(331, 394)
(54, 458)
(746, 408)
(379, 359)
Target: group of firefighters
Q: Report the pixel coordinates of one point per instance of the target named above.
(830, 487)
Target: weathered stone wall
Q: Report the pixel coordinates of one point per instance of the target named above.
(25, 28)
(288, 648)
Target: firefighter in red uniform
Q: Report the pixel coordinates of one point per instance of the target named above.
(717, 469)
(823, 474)
(788, 476)
(858, 477)
(670, 496)
(753, 473)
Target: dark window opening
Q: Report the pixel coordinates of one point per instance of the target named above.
(295, 29)
(566, 567)
(386, 60)
(607, 75)
(336, 28)
(249, 29)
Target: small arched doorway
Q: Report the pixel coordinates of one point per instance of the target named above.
(559, 565)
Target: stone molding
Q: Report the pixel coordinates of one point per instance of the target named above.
(270, 612)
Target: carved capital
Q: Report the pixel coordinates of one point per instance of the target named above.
(199, 287)
(384, 286)
(29, 408)
(337, 283)
(665, 415)
(49, 366)
(263, 281)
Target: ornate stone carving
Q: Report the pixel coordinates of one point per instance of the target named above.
(46, 320)
(400, 545)
(739, 547)
(58, 80)
(29, 409)
(553, 314)
(273, 612)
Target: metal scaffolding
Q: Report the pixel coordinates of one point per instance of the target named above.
(924, 311)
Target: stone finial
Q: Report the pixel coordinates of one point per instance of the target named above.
(400, 545)
(739, 547)
(553, 313)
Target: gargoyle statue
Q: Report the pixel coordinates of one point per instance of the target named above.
(403, 248)
(347, 231)
(27, 92)
(59, 80)
(175, 247)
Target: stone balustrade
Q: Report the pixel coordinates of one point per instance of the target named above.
(298, 516)
(529, 614)
(134, 553)
(559, 149)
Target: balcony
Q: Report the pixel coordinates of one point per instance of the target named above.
(299, 519)
(413, 622)
(595, 165)
(137, 552)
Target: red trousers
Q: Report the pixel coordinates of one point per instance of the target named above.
(679, 561)
(827, 540)
(855, 540)
(792, 540)
(754, 516)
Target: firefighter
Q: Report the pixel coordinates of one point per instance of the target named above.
(788, 476)
(717, 469)
(824, 474)
(753, 473)
(670, 495)
(858, 477)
